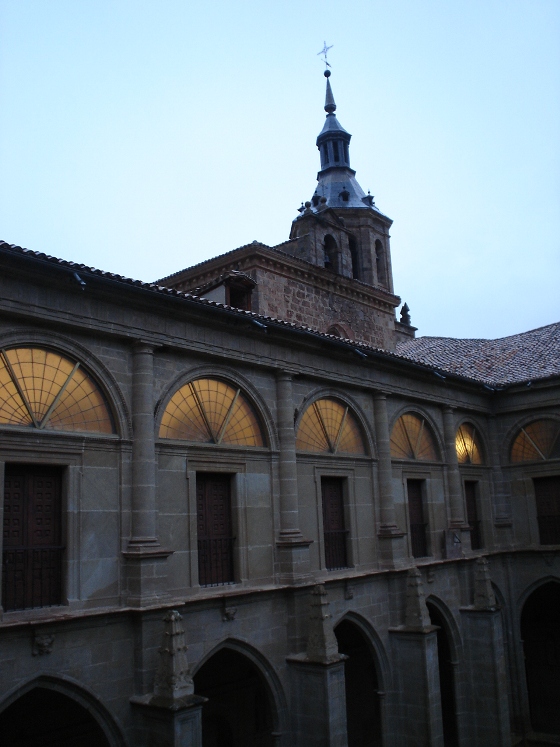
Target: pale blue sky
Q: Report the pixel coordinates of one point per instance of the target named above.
(145, 136)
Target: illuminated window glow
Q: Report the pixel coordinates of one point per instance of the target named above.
(211, 411)
(44, 390)
(537, 441)
(328, 427)
(412, 439)
(467, 445)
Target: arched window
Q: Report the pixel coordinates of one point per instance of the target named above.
(331, 253)
(47, 391)
(380, 262)
(468, 445)
(211, 411)
(412, 439)
(328, 427)
(539, 440)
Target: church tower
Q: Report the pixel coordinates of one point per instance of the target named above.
(333, 275)
(341, 227)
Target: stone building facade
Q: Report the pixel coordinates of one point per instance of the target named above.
(234, 519)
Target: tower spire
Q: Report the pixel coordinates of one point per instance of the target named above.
(330, 106)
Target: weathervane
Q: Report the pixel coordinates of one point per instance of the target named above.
(324, 52)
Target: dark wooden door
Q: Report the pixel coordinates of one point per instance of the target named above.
(32, 550)
(472, 514)
(416, 518)
(547, 496)
(333, 523)
(214, 528)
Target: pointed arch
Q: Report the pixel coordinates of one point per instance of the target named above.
(265, 670)
(362, 681)
(376, 644)
(539, 622)
(66, 687)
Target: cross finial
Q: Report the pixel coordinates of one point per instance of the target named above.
(324, 52)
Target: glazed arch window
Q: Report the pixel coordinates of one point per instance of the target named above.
(468, 445)
(412, 438)
(540, 440)
(211, 411)
(44, 390)
(328, 427)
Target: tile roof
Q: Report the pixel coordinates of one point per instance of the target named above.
(508, 360)
(516, 359)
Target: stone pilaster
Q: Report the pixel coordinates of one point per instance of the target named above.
(146, 560)
(391, 538)
(459, 529)
(317, 678)
(485, 658)
(502, 496)
(292, 547)
(171, 715)
(415, 656)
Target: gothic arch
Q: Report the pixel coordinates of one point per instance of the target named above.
(265, 669)
(452, 627)
(420, 412)
(539, 632)
(380, 657)
(99, 371)
(356, 410)
(229, 376)
(73, 690)
(513, 431)
(526, 593)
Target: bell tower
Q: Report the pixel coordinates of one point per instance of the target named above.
(340, 227)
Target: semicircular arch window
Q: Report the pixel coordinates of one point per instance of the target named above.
(48, 391)
(328, 426)
(537, 441)
(211, 411)
(412, 439)
(468, 445)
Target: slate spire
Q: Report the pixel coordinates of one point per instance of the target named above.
(330, 105)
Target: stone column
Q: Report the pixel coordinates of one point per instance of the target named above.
(171, 715)
(293, 549)
(390, 536)
(458, 538)
(318, 688)
(415, 657)
(485, 657)
(145, 558)
(143, 530)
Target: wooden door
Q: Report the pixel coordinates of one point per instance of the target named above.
(416, 518)
(547, 496)
(472, 514)
(333, 523)
(214, 528)
(32, 550)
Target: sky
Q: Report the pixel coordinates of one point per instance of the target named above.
(145, 136)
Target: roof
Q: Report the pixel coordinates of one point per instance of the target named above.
(507, 360)
(524, 357)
